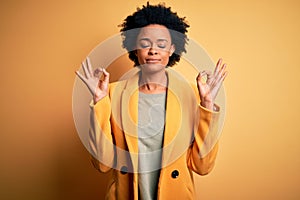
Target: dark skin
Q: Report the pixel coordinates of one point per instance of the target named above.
(154, 47)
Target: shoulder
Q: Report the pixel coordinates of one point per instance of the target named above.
(176, 79)
(115, 84)
(116, 88)
(181, 86)
(129, 82)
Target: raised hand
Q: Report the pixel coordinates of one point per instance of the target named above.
(208, 90)
(98, 87)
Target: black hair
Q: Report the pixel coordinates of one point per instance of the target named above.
(155, 14)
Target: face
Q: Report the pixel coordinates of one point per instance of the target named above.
(154, 47)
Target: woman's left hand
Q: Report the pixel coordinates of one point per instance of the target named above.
(208, 90)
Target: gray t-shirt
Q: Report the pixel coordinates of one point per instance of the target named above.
(151, 122)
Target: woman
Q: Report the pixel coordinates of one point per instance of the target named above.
(150, 128)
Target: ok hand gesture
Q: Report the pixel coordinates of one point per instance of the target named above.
(98, 87)
(208, 90)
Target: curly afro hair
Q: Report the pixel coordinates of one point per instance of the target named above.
(155, 14)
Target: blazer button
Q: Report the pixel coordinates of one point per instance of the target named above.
(124, 170)
(175, 174)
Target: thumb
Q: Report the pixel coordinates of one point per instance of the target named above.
(201, 77)
(105, 75)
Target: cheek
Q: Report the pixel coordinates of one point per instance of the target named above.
(165, 56)
(141, 54)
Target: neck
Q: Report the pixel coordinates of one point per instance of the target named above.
(153, 83)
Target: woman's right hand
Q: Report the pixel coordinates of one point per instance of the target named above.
(98, 87)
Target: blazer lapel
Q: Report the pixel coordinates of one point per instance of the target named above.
(174, 133)
(177, 132)
(129, 116)
(173, 118)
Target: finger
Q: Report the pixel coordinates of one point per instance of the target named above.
(89, 66)
(201, 75)
(221, 72)
(198, 78)
(220, 79)
(207, 72)
(224, 76)
(220, 82)
(97, 72)
(80, 76)
(106, 75)
(218, 65)
(205, 77)
(209, 76)
(84, 67)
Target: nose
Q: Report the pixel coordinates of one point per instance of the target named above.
(152, 51)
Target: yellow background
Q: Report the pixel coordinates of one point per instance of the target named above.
(42, 43)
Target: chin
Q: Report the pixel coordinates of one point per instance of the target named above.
(152, 67)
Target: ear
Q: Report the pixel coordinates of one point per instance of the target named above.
(172, 50)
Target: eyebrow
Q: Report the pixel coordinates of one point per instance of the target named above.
(158, 40)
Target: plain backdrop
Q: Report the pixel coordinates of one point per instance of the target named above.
(42, 43)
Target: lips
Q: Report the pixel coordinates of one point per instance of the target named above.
(152, 60)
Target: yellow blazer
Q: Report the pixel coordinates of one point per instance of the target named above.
(114, 142)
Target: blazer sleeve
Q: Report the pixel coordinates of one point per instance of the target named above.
(100, 136)
(203, 151)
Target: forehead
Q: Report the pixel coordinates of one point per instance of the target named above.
(154, 32)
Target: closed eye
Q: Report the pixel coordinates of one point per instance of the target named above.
(145, 46)
(162, 46)
(162, 43)
(144, 43)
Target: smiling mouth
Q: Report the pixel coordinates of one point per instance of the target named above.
(149, 61)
